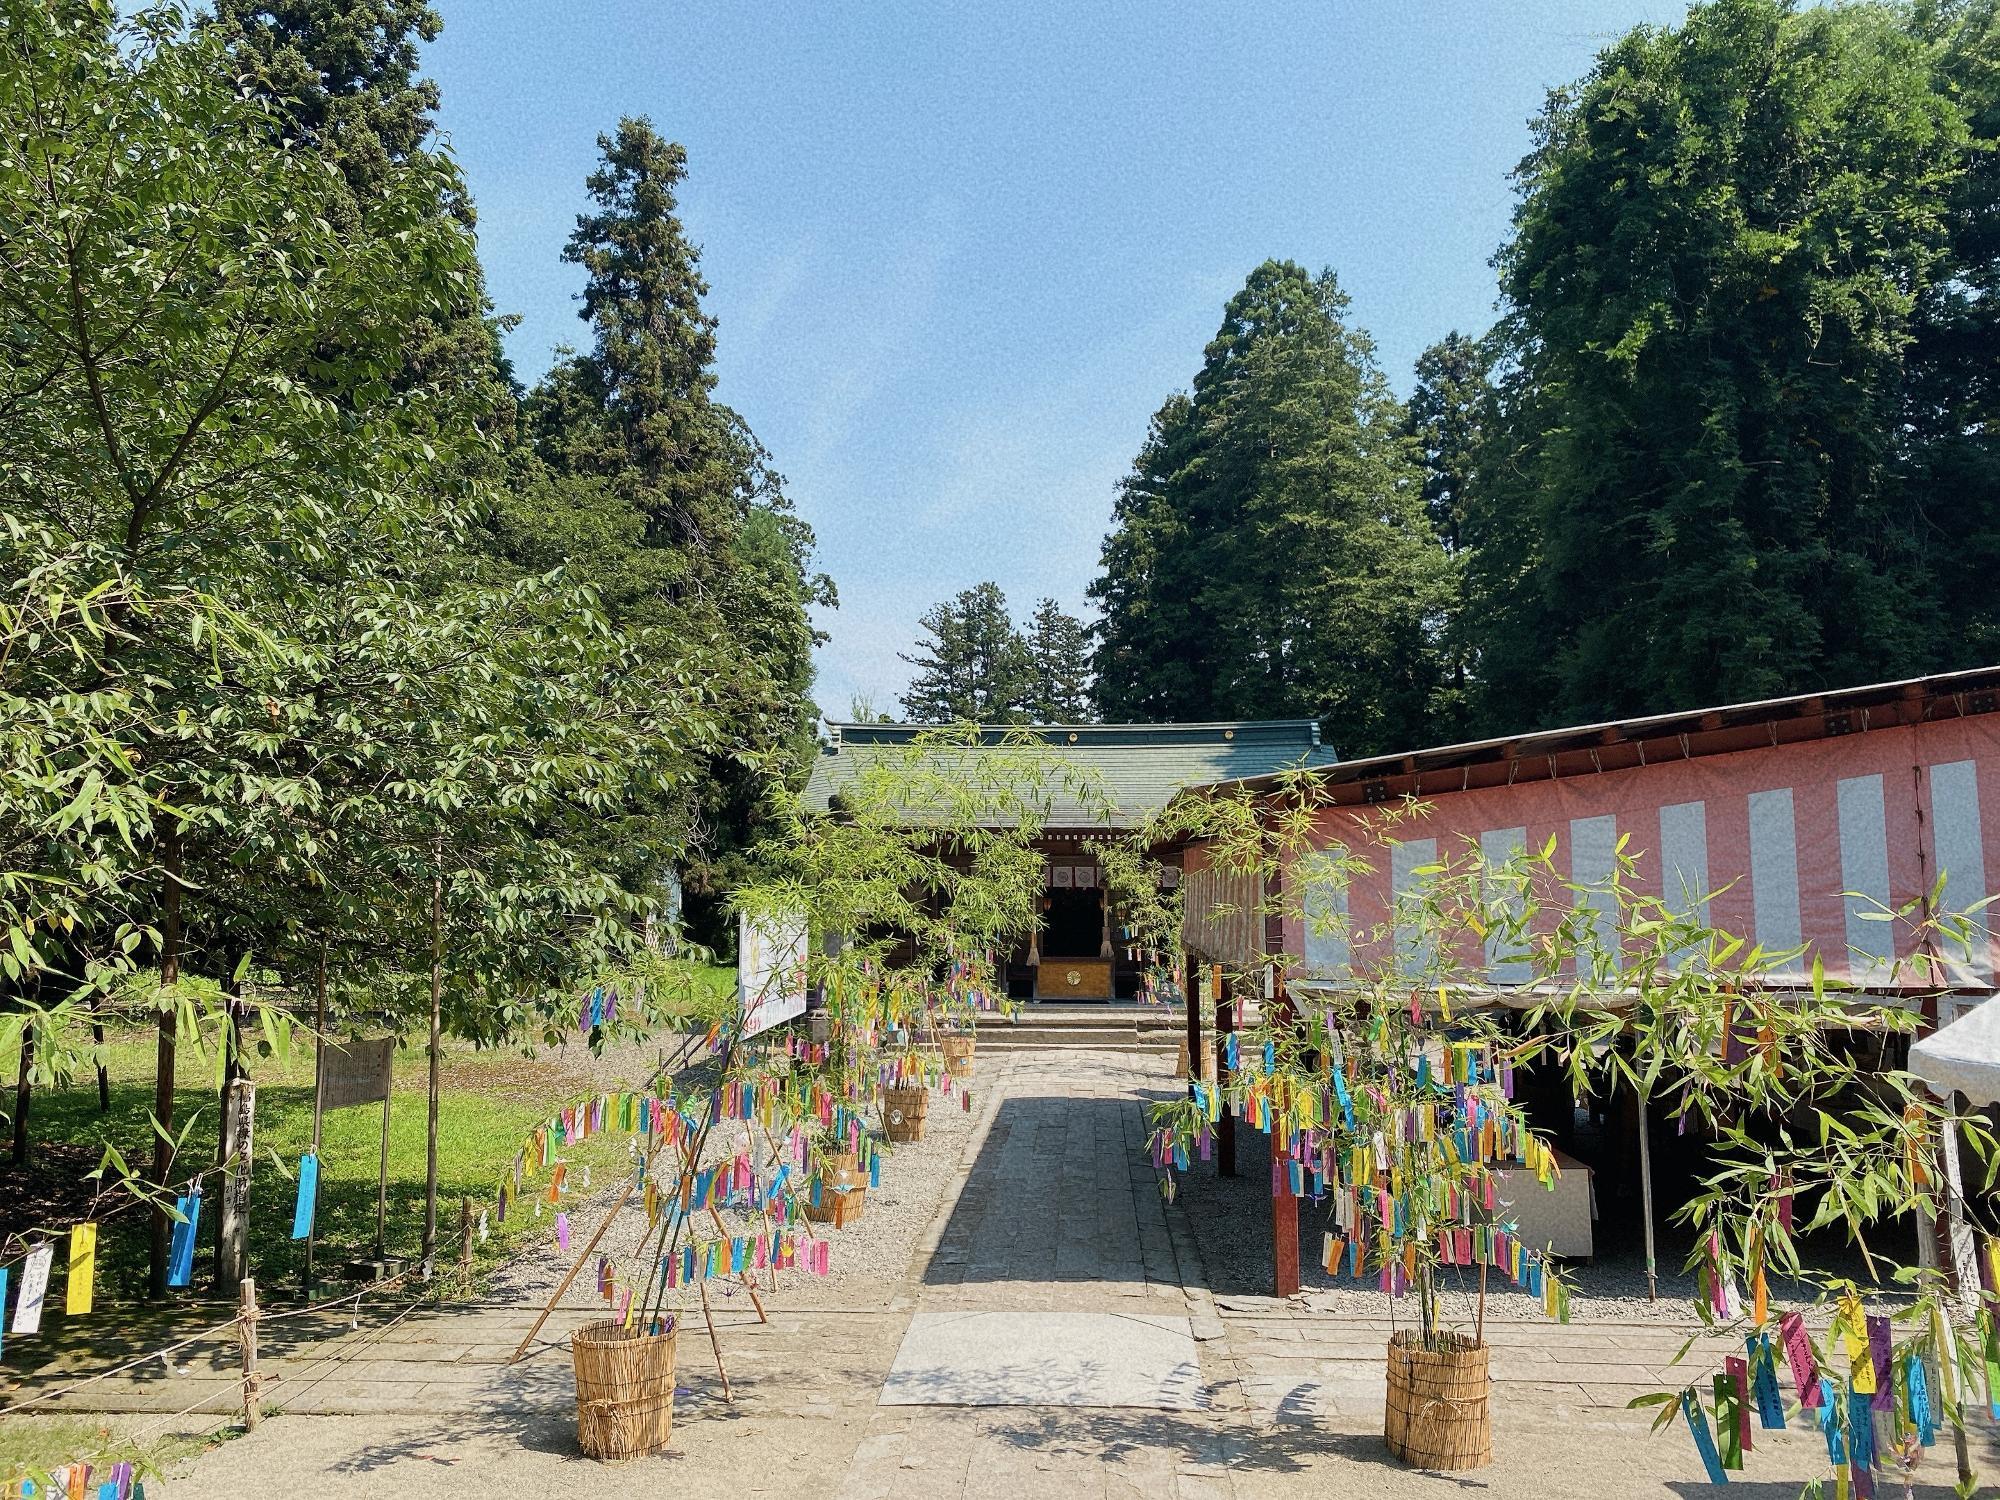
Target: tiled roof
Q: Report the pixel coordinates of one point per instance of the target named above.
(1136, 768)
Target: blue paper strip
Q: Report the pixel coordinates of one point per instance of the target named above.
(1920, 1400)
(302, 1211)
(180, 1257)
(1861, 1442)
(1764, 1381)
(1829, 1424)
(1704, 1440)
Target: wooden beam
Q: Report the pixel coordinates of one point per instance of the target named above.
(1191, 992)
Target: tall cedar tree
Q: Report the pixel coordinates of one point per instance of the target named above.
(1952, 396)
(342, 77)
(972, 665)
(1150, 648)
(1444, 419)
(1058, 667)
(643, 485)
(345, 72)
(1269, 555)
(1723, 232)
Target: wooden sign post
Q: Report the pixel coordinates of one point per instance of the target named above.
(352, 1073)
(232, 1260)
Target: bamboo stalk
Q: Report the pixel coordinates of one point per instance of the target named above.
(715, 1344)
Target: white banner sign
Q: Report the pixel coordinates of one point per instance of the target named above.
(770, 972)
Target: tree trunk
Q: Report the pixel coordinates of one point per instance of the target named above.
(23, 1089)
(431, 1120)
(97, 1040)
(163, 1068)
(225, 1118)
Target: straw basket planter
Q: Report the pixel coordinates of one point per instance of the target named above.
(1439, 1414)
(903, 1112)
(842, 1195)
(957, 1055)
(624, 1389)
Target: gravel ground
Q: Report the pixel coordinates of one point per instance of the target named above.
(870, 1259)
(1231, 1222)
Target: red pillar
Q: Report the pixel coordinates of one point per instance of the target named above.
(1284, 1203)
(1284, 1238)
(1225, 1026)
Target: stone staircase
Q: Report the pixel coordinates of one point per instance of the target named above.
(1104, 1028)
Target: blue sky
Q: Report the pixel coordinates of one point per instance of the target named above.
(960, 252)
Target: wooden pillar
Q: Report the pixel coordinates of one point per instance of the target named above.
(1284, 1236)
(246, 1340)
(1191, 995)
(1284, 1203)
(1225, 1026)
(232, 1214)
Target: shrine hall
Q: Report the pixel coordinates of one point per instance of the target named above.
(1100, 779)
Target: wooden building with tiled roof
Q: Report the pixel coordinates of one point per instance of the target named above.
(1130, 771)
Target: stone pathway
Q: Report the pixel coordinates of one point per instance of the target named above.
(1055, 1238)
(1060, 1202)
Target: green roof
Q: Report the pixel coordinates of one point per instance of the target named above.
(1137, 768)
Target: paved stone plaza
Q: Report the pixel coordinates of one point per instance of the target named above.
(1051, 1335)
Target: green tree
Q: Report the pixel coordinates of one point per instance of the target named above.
(1444, 418)
(341, 77)
(972, 665)
(241, 641)
(1059, 667)
(1151, 649)
(641, 485)
(1270, 555)
(1951, 464)
(178, 431)
(649, 424)
(1723, 233)
(345, 74)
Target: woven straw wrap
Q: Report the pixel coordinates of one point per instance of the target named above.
(843, 1194)
(624, 1390)
(957, 1055)
(903, 1112)
(1439, 1413)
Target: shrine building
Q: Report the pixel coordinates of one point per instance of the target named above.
(1101, 779)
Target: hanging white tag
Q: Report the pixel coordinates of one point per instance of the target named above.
(34, 1288)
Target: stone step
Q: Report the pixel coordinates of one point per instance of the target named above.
(1078, 1038)
(1039, 1014)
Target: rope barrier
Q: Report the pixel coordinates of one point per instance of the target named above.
(213, 1332)
(131, 1364)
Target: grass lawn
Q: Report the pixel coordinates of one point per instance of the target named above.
(489, 1101)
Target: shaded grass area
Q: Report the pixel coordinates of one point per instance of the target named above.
(489, 1101)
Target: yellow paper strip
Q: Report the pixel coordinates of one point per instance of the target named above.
(82, 1267)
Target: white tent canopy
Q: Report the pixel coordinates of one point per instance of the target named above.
(1963, 1057)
